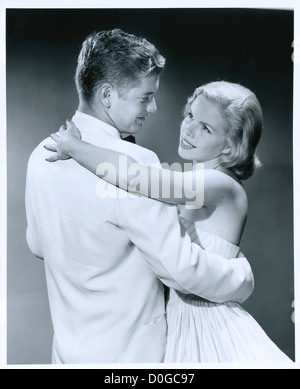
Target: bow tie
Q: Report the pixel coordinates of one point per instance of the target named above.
(129, 138)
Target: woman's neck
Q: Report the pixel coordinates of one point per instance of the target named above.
(211, 164)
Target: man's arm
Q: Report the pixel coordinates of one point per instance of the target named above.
(33, 244)
(155, 230)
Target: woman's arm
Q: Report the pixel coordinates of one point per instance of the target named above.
(193, 188)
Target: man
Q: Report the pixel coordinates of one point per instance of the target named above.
(107, 259)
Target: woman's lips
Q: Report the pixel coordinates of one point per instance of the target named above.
(186, 145)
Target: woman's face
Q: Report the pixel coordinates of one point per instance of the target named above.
(203, 131)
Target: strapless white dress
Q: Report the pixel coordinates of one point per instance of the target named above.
(203, 331)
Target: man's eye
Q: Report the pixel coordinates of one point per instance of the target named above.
(190, 115)
(145, 99)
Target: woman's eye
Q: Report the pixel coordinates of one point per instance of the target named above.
(205, 128)
(190, 115)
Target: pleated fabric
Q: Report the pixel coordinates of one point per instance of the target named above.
(203, 331)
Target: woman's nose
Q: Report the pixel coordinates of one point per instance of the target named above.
(190, 131)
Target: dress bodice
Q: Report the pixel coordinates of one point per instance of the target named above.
(210, 241)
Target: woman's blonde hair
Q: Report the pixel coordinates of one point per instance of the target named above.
(243, 114)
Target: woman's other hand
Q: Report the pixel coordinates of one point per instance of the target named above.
(63, 142)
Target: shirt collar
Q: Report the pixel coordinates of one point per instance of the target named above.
(91, 126)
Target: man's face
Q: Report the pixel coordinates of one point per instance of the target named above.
(130, 109)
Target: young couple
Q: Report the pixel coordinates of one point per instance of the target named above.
(109, 259)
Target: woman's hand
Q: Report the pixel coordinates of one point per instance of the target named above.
(64, 140)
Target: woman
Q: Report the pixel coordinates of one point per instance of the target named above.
(221, 129)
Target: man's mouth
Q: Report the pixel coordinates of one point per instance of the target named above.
(186, 145)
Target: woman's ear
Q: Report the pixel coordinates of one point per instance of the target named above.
(226, 150)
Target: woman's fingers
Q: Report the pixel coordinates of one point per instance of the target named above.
(69, 123)
(52, 158)
(62, 129)
(73, 129)
(55, 137)
(52, 147)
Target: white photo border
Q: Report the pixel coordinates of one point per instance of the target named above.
(85, 4)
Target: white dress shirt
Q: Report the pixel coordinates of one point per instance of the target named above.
(104, 257)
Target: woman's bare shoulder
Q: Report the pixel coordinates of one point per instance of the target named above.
(228, 184)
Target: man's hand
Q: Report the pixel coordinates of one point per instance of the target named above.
(63, 139)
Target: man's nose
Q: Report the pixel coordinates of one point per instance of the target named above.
(151, 108)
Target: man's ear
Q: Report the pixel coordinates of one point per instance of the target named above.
(104, 94)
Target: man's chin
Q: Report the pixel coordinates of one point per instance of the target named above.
(136, 129)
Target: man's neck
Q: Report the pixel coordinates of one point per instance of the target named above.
(98, 114)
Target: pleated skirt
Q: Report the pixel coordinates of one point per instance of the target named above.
(202, 331)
